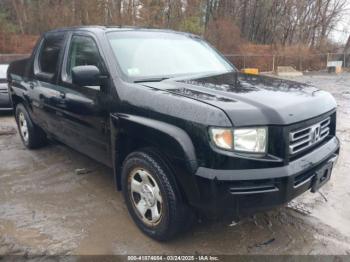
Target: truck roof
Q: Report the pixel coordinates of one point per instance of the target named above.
(96, 28)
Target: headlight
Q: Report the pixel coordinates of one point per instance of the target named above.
(250, 140)
(222, 137)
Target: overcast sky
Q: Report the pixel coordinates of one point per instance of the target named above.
(342, 31)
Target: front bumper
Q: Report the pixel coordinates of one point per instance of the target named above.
(242, 192)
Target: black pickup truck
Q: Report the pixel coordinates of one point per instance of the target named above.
(184, 132)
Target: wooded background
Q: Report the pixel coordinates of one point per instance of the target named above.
(233, 26)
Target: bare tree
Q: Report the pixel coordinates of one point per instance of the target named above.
(268, 22)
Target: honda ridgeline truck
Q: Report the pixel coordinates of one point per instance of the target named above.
(184, 132)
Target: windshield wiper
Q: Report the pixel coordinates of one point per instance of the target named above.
(159, 79)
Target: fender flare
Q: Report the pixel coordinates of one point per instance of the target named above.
(162, 135)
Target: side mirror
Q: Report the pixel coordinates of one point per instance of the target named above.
(87, 75)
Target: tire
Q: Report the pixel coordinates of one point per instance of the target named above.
(32, 136)
(144, 174)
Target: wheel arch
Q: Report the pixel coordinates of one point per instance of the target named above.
(15, 99)
(130, 133)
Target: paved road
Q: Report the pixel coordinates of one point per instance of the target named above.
(46, 208)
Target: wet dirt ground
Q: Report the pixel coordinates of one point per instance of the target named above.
(47, 208)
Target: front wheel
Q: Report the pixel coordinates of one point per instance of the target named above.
(151, 195)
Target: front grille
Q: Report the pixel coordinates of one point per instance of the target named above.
(303, 179)
(304, 138)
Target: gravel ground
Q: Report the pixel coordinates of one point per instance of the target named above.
(47, 208)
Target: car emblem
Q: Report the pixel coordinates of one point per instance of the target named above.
(315, 133)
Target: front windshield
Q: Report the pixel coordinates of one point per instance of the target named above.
(146, 55)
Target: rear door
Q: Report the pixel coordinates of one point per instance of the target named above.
(84, 109)
(43, 92)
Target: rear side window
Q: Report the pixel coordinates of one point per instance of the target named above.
(83, 51)
(49, 53)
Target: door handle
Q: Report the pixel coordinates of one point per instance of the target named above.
(62, 95)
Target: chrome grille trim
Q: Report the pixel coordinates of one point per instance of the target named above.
(302, 139)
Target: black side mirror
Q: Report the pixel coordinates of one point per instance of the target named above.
(87, 75)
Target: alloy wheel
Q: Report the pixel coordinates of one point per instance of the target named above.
(146, 196)
(23, 126)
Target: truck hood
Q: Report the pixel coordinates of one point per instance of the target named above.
(250, 100)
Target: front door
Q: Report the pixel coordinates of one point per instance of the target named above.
(84, 109)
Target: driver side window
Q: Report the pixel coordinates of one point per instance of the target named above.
(83, 51)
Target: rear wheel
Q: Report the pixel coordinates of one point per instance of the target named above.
(32, 136)
(152, 197)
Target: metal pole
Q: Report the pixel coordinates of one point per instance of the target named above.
(273, 63)
(344, 65)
